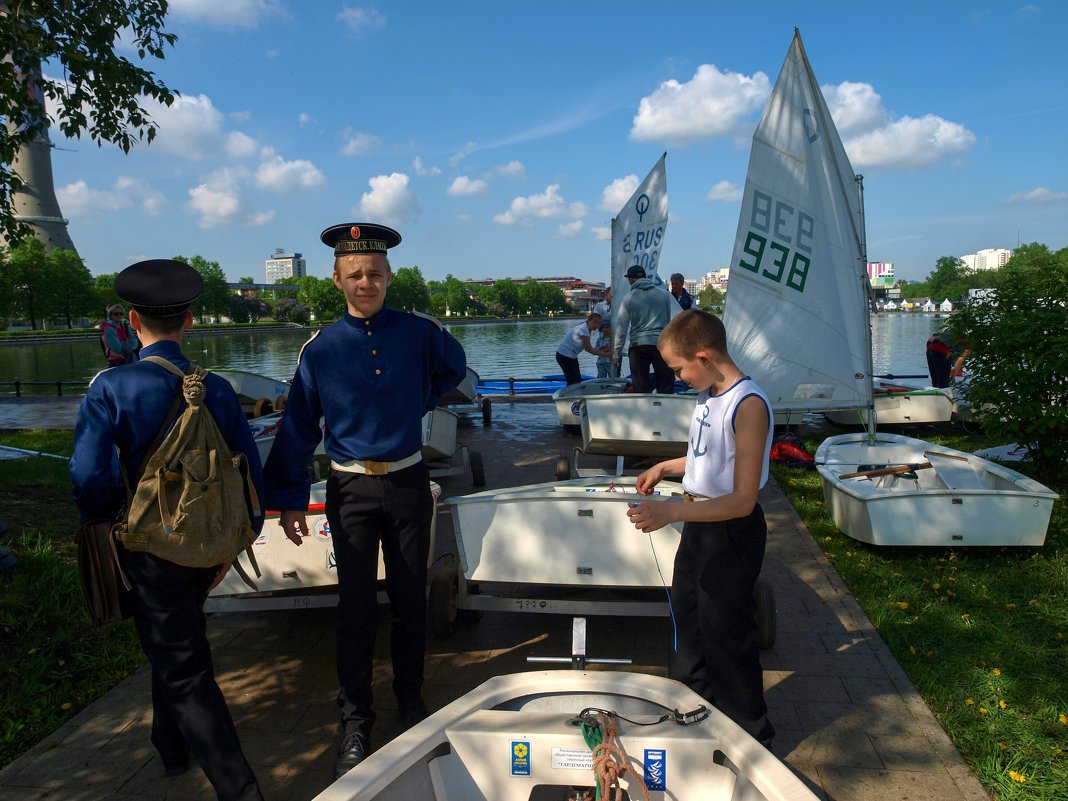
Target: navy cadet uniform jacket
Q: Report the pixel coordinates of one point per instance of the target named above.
(125, 408)
(372, 379)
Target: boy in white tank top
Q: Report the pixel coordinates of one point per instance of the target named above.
(724, 532)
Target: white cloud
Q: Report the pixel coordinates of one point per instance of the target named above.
(1040, 195)
(228, 14)
(191, 126)
(909, 144)
(240, 145)
(466, 151)
(523, 210)
(287, 176)
(602, 234)
(79, 199)
(513, 169)
(724, 191)
(711, 104)
(463, 186)
(855, 107)
(568, 230)
(358, 143)
(390, 200)
(220, 200)
(616, 194)
(304, 119)
(422, 169)
(362, 21)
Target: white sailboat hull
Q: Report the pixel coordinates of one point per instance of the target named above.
(632, 424)
(567, 399)
(259, 394)
(439, 434)
(291, 569)
(901, 405)
(516, 733)
(959, 499)
(464, 392)
(567, 533)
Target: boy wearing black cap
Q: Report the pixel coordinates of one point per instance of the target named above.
(122, 412)
(371, 377)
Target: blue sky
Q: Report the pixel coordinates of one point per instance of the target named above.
(500, 138)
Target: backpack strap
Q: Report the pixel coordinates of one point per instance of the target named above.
(168, 421)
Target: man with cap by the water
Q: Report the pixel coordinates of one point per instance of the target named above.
(371, 377)
(117, 423)
(643, 314)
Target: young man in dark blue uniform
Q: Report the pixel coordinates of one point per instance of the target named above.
(371, 377)
(118, 420)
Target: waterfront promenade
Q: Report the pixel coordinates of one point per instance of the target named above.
(849, 721)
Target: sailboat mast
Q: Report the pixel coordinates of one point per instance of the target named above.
(863, 256)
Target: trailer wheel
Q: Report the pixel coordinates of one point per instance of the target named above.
(478, 471)
(563, 469)
(441, 605)
(263, 407)
(487, 412)
(765, 613)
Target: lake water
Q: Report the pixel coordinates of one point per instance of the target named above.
(496, 350)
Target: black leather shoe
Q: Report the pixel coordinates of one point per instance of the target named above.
(413, 713)
(353, 750)
(175, 768)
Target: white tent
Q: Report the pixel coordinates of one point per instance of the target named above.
(929, 306)
(945, 306)
(890, 305)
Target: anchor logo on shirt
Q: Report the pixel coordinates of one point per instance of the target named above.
(697, 449)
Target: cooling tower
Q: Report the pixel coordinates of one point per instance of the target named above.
(35, 203)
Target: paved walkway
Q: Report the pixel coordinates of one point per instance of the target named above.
(849, 721)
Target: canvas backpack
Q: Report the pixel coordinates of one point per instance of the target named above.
(188, 506)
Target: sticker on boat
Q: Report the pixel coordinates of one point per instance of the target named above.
(520, 758)
(655, 769)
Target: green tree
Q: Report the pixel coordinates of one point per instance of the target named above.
(408, 291)
(948, 279)
(710, 296)
(320, 297)
(28, 281)
(101, 92)
(72, 296)
(1018, 366)
(215, 299)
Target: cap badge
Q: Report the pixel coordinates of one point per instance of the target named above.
(354, 232)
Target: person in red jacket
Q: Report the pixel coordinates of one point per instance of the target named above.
(118, 341)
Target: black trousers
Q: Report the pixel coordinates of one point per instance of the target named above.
(716, 567)
(939, 365)
(642, 357)
(393, 510)
(570, 366)
(188, 708)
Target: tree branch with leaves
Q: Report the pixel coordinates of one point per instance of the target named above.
(101, 93)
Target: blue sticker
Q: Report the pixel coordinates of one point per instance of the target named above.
(656, 769)
(520, 758)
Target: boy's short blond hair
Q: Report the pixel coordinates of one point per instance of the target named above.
(694, 330)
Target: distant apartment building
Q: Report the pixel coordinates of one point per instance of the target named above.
(989, 259)
(283, 265)
(717, 278)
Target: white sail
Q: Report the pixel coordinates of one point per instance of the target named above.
(638, 233)
(796, 309)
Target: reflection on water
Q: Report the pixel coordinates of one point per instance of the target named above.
(495, 350)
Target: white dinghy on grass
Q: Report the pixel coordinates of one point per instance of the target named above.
(903, 491)
(520, 737)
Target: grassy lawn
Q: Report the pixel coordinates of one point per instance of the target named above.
(981, 632)
(53, 661)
